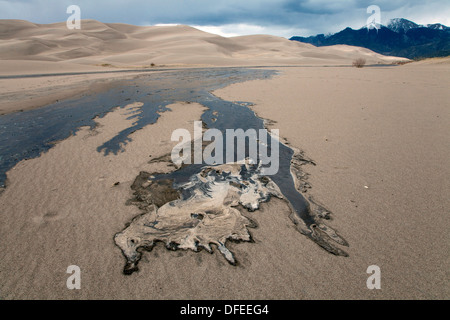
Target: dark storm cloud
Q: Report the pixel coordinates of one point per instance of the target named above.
(309, 16)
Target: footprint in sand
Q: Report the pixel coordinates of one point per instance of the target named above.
(49, 216)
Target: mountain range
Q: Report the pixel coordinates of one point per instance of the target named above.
(401, 38)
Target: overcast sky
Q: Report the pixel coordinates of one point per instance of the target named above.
(284, 18)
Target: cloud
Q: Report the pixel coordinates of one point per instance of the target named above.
(232, 30)
(230, 17)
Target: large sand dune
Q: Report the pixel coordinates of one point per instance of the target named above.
(125, 45)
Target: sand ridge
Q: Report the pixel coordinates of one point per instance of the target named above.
(127, 45)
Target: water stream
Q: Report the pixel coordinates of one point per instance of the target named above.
(25, 135)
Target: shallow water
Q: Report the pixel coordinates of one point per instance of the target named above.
(26, 135)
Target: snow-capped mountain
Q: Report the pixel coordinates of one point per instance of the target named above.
(401, 25)
(400, 37)
(437, 26)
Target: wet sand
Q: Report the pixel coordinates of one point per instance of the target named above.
(381, 128)
(26, 93)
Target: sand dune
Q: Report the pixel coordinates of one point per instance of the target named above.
(125, 45)
(440, 62)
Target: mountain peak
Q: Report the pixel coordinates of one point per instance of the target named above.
(437, 26)
(401, 25)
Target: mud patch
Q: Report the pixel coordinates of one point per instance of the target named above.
(197, 214)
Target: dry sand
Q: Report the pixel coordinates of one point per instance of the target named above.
(381, 128)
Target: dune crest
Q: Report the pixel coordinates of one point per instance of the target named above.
(125, 45)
